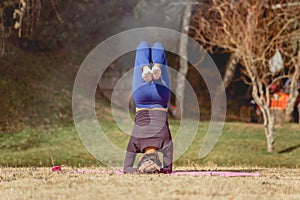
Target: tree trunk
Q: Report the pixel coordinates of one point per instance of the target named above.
(269, 129)
(268, 117)
(289, 110)
(2, 39)
(293, 94)
(183, 67)
(298, 108)
(230, 69)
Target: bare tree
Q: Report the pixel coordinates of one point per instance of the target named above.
(230, 69)
(255, 31)
(183, 49)
(183, 69)
(5, 9)
(25, 15)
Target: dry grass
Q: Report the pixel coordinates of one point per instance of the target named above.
(40, 183)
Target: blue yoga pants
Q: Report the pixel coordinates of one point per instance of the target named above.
(156, 93)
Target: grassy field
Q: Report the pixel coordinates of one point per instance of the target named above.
(240, 144)
(26, 159)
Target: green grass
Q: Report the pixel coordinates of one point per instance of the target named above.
(243, 144)
(35, 90)
(240, 144)
(44, 148)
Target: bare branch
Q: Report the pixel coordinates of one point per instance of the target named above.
(285, 26)
(254, 30)
(56, 12)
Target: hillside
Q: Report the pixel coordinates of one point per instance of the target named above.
(37, 71)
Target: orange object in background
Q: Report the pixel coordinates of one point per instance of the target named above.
(279, 101)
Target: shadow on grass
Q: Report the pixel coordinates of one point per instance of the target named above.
(290, 149)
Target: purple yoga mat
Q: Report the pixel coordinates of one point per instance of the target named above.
(192, 173)
(216, 173)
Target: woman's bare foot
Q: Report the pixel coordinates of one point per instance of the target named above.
(156, 71)
(147, 76)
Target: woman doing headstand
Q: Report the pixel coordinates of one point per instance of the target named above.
(151, 93)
